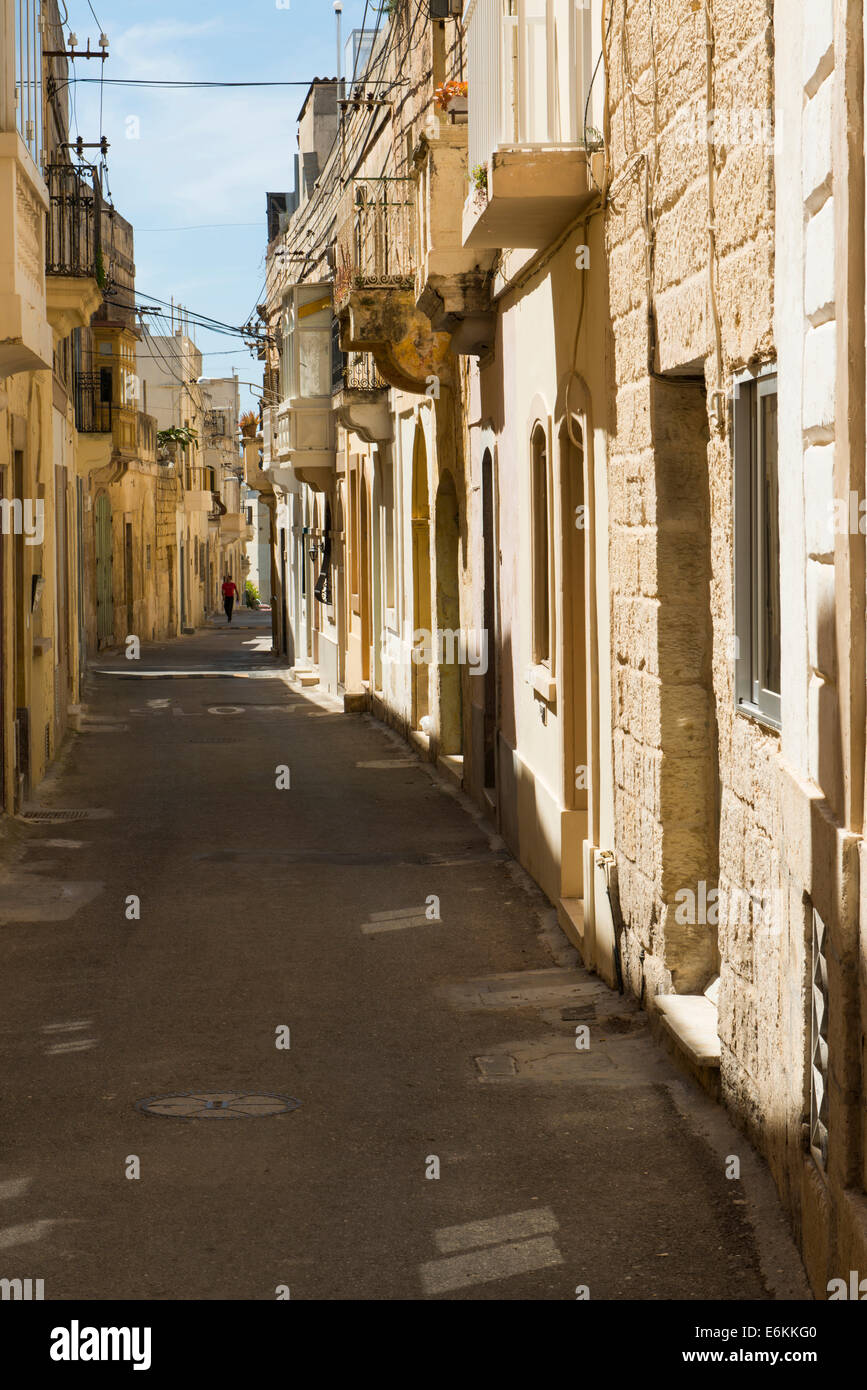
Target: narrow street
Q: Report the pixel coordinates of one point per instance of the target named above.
(411, 1039)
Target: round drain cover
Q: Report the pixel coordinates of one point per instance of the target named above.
(218, 1105)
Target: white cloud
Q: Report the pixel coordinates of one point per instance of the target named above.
(156, 50)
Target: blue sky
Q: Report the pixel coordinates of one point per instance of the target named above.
(205, 156)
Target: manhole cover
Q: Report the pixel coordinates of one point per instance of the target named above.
(218, 1105)
(54, 817)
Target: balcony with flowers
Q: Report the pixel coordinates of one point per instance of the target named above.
(452, 282)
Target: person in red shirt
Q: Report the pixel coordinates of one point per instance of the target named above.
(230, 593)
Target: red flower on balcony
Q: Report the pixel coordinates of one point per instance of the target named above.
(446, 93)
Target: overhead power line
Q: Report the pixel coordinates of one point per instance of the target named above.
(200, 227)
(160, 82)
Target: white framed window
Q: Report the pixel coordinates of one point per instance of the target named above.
(529, 69)
(287, 365)
(757, 548)
(21, 72)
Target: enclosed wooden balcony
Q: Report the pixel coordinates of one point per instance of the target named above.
(530, 151)
(26, 342)
(300, 431)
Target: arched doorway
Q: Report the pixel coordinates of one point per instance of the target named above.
(421, 606)
(104, 572)
(450, 644)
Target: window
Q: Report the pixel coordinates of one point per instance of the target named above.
(757, 549)
(306, 360)
(541, 549)
(24, 68)
(354, 566)
(287, 366)
(388, 526)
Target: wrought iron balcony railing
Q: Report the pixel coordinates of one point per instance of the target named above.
(360, 373)
(72, 244)
(133, 433)
(95, 410)
(376, 238)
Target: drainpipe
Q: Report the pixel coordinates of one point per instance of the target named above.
(716, 410)
(609, 864)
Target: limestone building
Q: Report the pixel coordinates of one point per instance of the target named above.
(89, 540)
(564, 427)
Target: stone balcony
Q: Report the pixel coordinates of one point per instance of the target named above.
(198, 500)
(374, 293)
(234, 527)
(532, 195)
(26, 341)
(452, 282)
(111, 435)
(255, 476)
(360, 398)
(305, 440)
(200, 494)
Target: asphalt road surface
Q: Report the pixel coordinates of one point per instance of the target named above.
(449, 1139)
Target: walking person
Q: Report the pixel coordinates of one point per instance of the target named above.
(230, 593)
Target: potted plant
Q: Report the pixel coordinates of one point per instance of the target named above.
(451, 96)
(249, 423)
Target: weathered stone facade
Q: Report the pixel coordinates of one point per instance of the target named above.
(670, 736)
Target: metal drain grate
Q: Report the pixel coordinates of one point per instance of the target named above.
(218, 1105)
(211, 742)
(54, 817)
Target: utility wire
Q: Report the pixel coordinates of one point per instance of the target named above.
(187, 85)
(202, 320)
(318, 207)
(199, 227)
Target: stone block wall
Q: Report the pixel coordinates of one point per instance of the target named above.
(694, 797)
